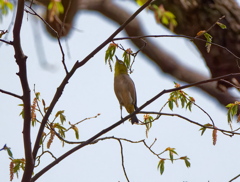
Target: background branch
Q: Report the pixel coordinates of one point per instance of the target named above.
(165, 61)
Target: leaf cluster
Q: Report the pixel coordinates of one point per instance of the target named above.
(164, 17)
(232, 111)
(171, 152)
(110, 53)
(182, 97)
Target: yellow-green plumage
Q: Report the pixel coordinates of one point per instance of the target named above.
(125, 89)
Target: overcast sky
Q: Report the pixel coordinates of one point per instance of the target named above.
(90, 91)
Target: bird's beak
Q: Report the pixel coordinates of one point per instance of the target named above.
(117, 58)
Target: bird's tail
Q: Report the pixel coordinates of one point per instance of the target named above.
(134, 119)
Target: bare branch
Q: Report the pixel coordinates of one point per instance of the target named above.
(7, 42)
(12, 94)
(58, 37)
(178, 36)
(124, 170)
(235, 178)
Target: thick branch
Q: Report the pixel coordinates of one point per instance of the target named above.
(21, 61)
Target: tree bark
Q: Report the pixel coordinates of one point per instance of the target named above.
(196, 15)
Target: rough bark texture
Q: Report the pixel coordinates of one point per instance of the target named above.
(195, 15)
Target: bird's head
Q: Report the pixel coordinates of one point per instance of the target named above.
(120, 67)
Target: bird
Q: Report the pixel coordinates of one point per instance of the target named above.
(124, 89)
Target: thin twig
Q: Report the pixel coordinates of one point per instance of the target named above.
(122, 158)
(39, 157)
(65, 17)
(211, 26)
(57, 35)
(153, 143)
(12, 94)
(151, 149)
(177, 36)
(193, 122)
(7, 42)
(235, 86)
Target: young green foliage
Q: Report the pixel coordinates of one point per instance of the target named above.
(232, 111)
(203, 129)
(160, 166)
(171, 153)
(61, 116)
(110, 52)
(209, 41)
(15, 166)
(75, 129)
(127, 57)
(148, 122)
(186, 160)
(56, 6)
(164, 17)
(179, 95)
(221, 25)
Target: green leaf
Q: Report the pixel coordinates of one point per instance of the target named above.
(169, 14)
(187, 163)
(234, 109)
(141, 2)
(170, 104)
(50, 6)
(173, 22)
(165, 20)
(189, 106)
(61, 116)
(161, 166)
(204, 129)
(229, 105)
(37, 95)
(209, 41)
(9, 152)
(110, 52)
(221, 25)
(60, 7)
(183, 101)
(76, 131)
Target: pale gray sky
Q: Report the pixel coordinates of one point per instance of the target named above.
(90, 91)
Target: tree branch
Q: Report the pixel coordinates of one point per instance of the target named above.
(10, 93)
(122, 158)
(59, 93)
(166, 62)
(21, 61)
(93, 138)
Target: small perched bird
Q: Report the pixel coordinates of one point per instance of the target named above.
(124, 89)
